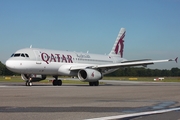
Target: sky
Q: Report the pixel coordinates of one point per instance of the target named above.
(152, 27)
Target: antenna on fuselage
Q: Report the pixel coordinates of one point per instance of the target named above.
(30, 46)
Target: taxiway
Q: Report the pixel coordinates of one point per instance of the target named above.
(77, 102)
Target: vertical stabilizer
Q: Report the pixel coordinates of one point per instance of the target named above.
(118, 47)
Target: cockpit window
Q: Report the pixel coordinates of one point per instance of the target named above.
(12, 55)
(17, 55)
(20, 55)
(27, 55)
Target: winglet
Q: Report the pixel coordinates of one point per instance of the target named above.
(176, 60)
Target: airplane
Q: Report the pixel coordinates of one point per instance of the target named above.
(34, 64)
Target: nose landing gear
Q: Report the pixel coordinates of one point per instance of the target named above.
(28, 82)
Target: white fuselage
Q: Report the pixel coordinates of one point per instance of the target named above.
(54, 62)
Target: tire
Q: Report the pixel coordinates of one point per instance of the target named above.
(59, 82)
(96, 83)
(55, 82)
(26, 83)
(30, 84)
(90, 83)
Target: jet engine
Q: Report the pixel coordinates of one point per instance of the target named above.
(34, 77)
(89, 75)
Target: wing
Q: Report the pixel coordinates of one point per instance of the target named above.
(133, 63)
(144, 62)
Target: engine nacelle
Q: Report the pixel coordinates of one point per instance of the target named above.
(34, 77)
(89, 75)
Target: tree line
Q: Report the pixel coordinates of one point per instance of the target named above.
(145, 72)
(4, 71)
(129, 71)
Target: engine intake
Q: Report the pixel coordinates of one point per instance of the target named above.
(89, 75)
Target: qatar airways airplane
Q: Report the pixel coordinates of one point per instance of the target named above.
(35, 64)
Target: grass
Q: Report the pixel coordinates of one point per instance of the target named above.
(65, 80)
(10, 79)
(18, 79)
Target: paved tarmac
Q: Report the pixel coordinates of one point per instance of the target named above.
(76, 102)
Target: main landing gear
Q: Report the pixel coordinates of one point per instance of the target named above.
(57, 82)
(96, 83)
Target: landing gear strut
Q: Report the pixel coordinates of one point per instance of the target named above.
(96, 83)
(57, 82)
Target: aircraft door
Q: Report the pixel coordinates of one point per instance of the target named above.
(40, 67)
(37, 54)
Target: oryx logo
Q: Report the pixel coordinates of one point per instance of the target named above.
(120, 45)
(92, 74)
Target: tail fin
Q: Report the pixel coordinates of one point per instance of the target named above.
(118, 47)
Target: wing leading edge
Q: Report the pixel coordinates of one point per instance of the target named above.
(136, 63)
(123, 64)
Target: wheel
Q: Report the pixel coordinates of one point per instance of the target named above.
(28, 83)
(90, 83)
(59, 82)
(96, 83)
(55, 82)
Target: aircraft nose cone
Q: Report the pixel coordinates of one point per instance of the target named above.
(9, 64)
(15, 66)
(12, 65)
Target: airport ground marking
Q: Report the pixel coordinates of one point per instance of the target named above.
(135, 114)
